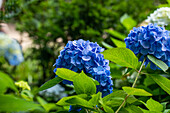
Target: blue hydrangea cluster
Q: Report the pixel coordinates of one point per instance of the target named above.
(150, 40)
(83, 55)
(10, 50)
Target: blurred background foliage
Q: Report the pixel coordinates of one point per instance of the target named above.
(47, 20)
(51, 23)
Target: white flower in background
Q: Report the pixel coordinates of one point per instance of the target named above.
(56, 91)
(160, 16)
(10, 50)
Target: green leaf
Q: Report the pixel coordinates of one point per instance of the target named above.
(163, 5)
(62, 102)
(6, 82)
(116, 98)
(164, 105)
(157, 62)
(47, 106)
(118, 43)
(95, 98)
(79, 101)
(123, 110)
(26, 94)
(144, 110)
(106, 45)
(50, 83)
(148, 81)
(41, 101)
(120, 93)
(116, 70)
(148, 111)
(128, 22)
(122, 56)
(114, 102)
(107, 109)
(167, 111)
(9, 103)
(52, 106)
(66, 74)
(136, 91)
(133, 109)
(84, 85)
(153, 105)
(163, 82)
(115, 34)
(158, 91)
(95, 81)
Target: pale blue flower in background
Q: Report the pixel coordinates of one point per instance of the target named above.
(11, 50)
(56, 91)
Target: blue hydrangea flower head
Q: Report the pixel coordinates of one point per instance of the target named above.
(11, 50)
(149, 40)
(83, 55)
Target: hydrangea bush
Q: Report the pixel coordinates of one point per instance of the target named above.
(160, 16)
(83, 63)
(85, 57)
(11, 50)
(150, 40)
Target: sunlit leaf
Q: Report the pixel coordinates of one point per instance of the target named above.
(153, 105)
(128, 22)
(66, 74)
(107, 109)
(163, 82)
(133, 109)
(6, 82)
(122, 56)
(118, 43)
(157, 62)
(63, 101)
(136, 91)
(79, 101)
(106, 45)
(84, 85)
(115, 34)
(95, 99)
(116, 98)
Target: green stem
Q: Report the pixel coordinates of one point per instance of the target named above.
(134, 83)
(138, 74)
(98, 109)
(86, 111)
